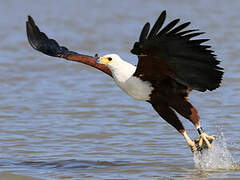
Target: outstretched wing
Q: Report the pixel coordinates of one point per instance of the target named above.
(171, 52)
(39, 41)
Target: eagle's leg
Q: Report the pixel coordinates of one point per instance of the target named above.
(189, 141)
(187, 110)
(204, 137)
(170, 116)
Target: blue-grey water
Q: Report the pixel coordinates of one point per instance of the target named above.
(64, 120)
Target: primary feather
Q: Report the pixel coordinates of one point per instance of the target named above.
(190, 63)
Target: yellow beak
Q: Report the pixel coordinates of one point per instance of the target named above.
(102, 60)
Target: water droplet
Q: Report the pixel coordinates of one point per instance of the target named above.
(216, 158)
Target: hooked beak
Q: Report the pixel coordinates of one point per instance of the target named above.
(102, 60)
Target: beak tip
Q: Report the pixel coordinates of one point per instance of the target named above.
(98, 61)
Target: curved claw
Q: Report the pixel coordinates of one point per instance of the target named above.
(204, 138)
(193, 147)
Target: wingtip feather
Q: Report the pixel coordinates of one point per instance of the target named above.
(158, 24)
(144, 32)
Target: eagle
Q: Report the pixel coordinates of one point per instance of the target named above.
(171, 63)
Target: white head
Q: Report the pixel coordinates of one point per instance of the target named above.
(110, 60)
(118, 66)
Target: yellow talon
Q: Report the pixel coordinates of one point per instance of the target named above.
(193, 148)
(200, 143)
(205, 138)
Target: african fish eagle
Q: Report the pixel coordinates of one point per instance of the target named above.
(171, 63)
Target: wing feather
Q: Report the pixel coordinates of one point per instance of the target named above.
(157, 25)
(184, 57)
(40, 42)
(186, 32)
(179, 28)
(190, 36)
(168, 27)
(144, 33)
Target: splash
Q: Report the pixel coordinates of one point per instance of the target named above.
(216, 158)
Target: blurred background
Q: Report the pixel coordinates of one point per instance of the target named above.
(64, 120)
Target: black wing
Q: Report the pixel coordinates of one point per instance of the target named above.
(39, 41)
(185, 59)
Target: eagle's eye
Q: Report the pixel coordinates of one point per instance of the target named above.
(109, 58)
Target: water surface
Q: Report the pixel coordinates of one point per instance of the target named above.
(64, 120)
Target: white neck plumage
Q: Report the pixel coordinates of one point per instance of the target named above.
(122, 72)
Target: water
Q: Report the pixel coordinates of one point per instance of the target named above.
(217, 158)
(64, 120)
